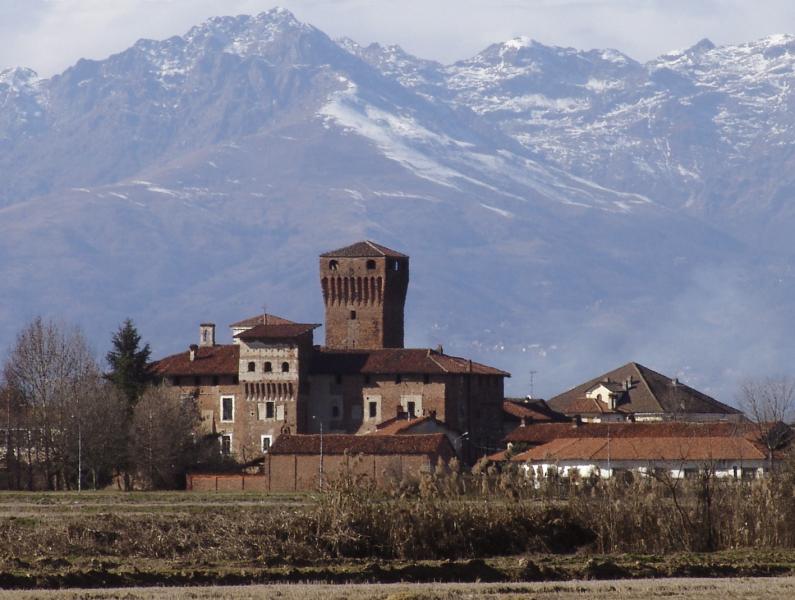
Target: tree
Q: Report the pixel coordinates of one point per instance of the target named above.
(129, 362)
(769, 402)
(43, 373)
(163, 439)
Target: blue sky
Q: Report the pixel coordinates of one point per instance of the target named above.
(50, 35)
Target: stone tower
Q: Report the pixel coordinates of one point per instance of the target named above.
(364, 290)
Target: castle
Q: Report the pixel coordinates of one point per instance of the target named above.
(273, 379)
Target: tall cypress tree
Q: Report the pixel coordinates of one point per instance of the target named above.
(128, 362)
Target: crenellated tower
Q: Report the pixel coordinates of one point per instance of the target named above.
(364, 291)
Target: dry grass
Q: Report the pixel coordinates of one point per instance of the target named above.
(671, 589)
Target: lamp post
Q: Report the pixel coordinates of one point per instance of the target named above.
(320, 422)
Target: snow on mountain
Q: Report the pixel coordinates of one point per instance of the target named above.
(565, 210)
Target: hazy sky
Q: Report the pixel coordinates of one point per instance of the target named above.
(50, 35)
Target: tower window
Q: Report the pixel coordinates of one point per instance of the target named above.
(285, 367)
(267, 367)
(353, 315)
(227, 408)
(370, 265)
(251, 367)
(333, 265)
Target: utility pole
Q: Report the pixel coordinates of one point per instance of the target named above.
(321, 456)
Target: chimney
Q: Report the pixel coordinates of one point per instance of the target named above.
(207, 335)
(628, 383)
(523, 423)
(675, 381)
(439, 349)
(193, 349)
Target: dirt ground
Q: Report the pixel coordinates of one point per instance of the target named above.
(670, 589)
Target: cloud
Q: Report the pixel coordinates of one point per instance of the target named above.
(50, 35)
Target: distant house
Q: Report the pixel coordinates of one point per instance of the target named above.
(677, 449)
(635, 392)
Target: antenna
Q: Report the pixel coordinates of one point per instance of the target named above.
(532, 383)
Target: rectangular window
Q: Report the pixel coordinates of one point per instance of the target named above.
(270, 410)
(266, 441)
(410, 408)
(227, 409)
(372, 408)
(226, 444)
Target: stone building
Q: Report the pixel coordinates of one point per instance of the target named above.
(272, 379)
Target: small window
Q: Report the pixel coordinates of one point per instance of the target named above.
(226, 444)
(333, 265)
(252, 367)
(267, 367)
(270, 411)
(353, 315)
(285, 367)
(370, 265)
(216, 380)
(335, 412)
(227, 408)
(395, 265)
(372, 409)
(266, 443)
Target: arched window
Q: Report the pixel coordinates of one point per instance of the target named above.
(333, 264)
(251, 367)
(285, 367)
(267, 367)
(370, 265)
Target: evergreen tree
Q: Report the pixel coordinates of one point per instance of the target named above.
(128, 362)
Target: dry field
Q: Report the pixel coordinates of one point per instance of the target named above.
(670, 589)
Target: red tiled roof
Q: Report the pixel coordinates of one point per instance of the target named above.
(260, 319)
(647, 448)
(402, 425)
(363, 249)
(210, 360)
(532, 410)
(433, 443)
(277, 332)
(395, 360)
(541, 433)
(649, 392)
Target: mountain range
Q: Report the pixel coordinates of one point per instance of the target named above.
(566, 211)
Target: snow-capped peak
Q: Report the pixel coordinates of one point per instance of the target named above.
(17, 78)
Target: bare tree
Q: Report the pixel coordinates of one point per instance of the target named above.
(163, 439)
(44, 371)
(769, 403)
